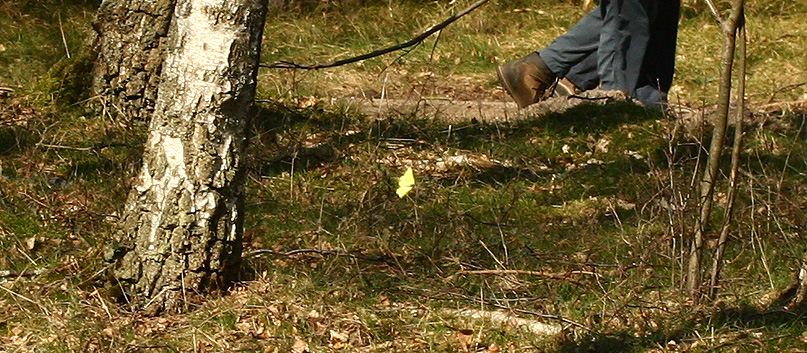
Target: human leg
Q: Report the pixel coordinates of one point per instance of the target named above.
(584, 74)
(578, 43)
(617, 37)
(659, 61)
(623, 42)
(530, 79)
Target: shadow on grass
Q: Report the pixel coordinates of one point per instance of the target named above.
(592, 118)
(283, 138)
(312, 137)
(741, 327)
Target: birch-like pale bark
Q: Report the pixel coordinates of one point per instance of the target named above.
(181, 229)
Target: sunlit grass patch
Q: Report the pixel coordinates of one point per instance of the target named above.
(575, 220)
(37, 34)
(493, 207)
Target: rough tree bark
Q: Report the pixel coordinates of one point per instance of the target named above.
(180, 233)
(128, 53)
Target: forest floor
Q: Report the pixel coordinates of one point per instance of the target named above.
(559, 228)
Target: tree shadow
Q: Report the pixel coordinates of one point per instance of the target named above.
(740, 319)
(283, 138)
(591, 118)
(301, 139)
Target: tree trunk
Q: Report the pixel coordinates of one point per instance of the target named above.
(128, 54)
(181, 229)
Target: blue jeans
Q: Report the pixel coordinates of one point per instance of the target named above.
(626, 45)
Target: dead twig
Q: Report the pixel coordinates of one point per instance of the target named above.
(9, 273)
(35, 200)
(96, 147)
(13, 121)
(508, 319)
(64, 39)
(487, 301)
(291, 253)
(559, 276)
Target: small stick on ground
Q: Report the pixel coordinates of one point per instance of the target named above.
(521, 311)
(559, 276)
(508, 319)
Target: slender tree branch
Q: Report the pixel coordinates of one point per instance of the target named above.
(337, 253)
(550, 275)
(729, 31)
(560, 275)
(716, 14)
(411, 42)
(735, 162)
(10, 273)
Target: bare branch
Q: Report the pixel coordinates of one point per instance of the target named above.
(558, 276)
(716, 14)
(735, 162)
(337, 253)
(411, 42)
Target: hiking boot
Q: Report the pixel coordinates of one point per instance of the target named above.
(565, 88)
(528, 80)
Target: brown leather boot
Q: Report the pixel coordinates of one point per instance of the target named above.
(528, 80)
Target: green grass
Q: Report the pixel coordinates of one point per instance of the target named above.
(36, 35)
(607, 190)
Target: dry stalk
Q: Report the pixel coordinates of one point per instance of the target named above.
(729, 30)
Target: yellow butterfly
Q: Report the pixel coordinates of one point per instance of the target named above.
(406, 183)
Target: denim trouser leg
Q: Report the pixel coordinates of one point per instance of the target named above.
(618, 31)
(623, 42)
(574, 46)
(584, 75)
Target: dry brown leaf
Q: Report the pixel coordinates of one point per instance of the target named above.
(31, 243)
(493, 348)
(338, 339)
(466, 339)
(299, 346)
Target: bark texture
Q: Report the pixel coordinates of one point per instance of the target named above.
(128, 53)
(181, 229)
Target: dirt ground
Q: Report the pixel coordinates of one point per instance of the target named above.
(455, 99)
(456, 110)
